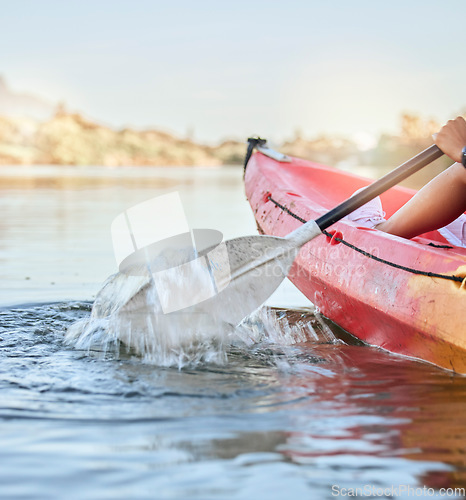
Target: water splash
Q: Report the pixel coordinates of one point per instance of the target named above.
(285, 327)
(128, 311)
(127, 314)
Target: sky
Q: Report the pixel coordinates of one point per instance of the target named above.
(221, 70)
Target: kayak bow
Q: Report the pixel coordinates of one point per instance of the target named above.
(390, 292)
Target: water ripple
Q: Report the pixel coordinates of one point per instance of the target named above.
(298, 408)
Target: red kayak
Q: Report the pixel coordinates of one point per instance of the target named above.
(390, 292)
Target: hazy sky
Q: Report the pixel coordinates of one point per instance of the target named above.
(227, 69)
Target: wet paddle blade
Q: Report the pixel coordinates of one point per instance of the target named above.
(255, 267)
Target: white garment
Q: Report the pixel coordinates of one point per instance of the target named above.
(369, 215)
(455, 232)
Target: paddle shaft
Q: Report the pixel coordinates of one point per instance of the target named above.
(378, 187)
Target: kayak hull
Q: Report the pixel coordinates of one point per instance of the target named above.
(384, 305)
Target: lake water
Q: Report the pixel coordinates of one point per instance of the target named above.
(282, 418)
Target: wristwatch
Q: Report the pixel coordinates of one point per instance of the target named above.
(463, 157)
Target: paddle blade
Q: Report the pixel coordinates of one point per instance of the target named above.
(140, 308)
(240, 276)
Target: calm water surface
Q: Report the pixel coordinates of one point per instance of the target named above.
(282, 419)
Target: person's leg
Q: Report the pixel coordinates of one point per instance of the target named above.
(437, 204)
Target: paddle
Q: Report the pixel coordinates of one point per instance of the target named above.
(243, 271)
(258, 264)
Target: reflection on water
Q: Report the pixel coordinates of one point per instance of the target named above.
(280, 419)
(300, 410)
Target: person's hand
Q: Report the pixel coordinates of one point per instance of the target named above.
(452, 138)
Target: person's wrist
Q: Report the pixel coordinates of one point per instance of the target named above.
(463, 157)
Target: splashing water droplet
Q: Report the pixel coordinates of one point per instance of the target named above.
(128, 311)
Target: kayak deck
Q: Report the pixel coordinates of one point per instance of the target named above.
(384, 305)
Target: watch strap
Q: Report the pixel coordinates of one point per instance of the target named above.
(463, 157)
